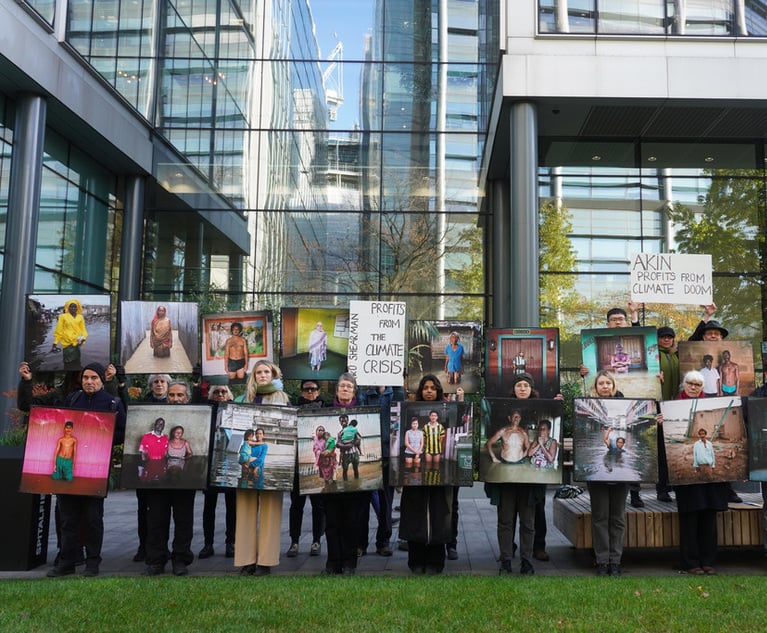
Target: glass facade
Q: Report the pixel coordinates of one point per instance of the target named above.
(366, 128)
(714, 204)
(728, 18)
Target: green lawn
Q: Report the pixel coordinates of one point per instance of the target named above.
(380, 604)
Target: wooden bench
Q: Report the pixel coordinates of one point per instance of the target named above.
(657, 524)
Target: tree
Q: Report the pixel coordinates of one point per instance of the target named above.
(729, 226)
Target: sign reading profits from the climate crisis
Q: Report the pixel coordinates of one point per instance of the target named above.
(377, 341)
(671, 278)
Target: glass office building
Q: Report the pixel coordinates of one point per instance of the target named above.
(262, 154)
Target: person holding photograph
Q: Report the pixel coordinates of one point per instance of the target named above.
(426, 512)
(344, 513)
(698, 504)
(217, 395)
(259, 512)
(516, 500)
(82, 517)
(608, 499)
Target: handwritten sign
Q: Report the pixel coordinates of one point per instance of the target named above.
(377, 342)
(671, 278)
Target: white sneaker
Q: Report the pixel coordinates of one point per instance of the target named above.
(292, 551)
(314, 550)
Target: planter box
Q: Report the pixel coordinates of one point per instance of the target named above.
(24, 532)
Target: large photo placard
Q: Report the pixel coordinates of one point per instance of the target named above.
(254, 447)
(615, 440)
(727, 366)
(232, 342)
(377, 341)
(339, 450)
(68, 451)
(629, 353)
(512, 351)
(450, 350)
(705, 440)
(67, 332)
(166, 446)
(314, 342)
(157, 337)
(431, 444)
(521, 441)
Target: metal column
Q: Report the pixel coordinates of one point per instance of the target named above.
(523, 244)
(20, 236)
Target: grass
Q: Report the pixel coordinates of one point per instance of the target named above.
(384, 604)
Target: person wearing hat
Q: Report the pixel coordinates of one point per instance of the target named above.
(82, 513)
(709, 329)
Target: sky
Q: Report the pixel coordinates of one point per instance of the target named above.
(346, 21)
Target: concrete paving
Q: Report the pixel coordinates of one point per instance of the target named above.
(477, 547)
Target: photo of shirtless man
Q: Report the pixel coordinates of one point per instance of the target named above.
(236, 353)
(64, 456)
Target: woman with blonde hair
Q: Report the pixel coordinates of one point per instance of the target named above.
(258, 537)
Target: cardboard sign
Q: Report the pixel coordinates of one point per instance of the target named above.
(671, 278)
(377, 341)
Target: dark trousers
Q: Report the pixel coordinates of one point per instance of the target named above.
(539, 540)
(82, 523)
(343, 519)
(209, 514)
(141, 511)
(382, 501)
(161, 504)
(697, 538)
(662, 485)
(296, 516)
(423, 557)
(453, 544)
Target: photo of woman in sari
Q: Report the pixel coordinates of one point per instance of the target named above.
(161, 334)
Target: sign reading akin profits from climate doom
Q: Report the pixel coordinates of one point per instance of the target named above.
(671, 278)
(376, 353)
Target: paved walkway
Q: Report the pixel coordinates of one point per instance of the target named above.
(477, 547)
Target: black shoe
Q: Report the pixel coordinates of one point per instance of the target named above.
(140, 555)
(248, 570)
(402, 545)
(262, 570)
(154, 570)
(665, 497)
(452, 554)
(384, 550)
(206, 552)
(180, 569)
(526, 568)
(732, 497)
(615, 569)
(90, 572)
(603, 569)
(505, 567)
(58, 572)
(229, 550)
(361, 552)
(348, 571)
(636, 500)
(540, 554)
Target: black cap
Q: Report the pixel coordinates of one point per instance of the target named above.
(666, 331)
(96, 367)
(714, 325)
